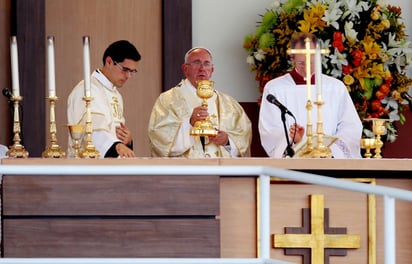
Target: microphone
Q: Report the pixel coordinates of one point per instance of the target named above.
(7, 93)
(407, 97)
(272, 99)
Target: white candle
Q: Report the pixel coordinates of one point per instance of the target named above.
(14, 66)
(308, 71)
(318, 72)
(86, 64)
(51, 67)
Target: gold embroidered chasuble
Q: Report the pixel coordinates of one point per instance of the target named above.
(175, 106)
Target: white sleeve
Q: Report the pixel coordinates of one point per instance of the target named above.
(183, 140)
(271, 131)
(103, 140)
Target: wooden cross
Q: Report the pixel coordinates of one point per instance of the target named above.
(319, 240)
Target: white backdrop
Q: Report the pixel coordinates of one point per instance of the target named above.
(221, 25)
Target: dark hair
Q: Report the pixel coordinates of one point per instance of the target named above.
(121, 50)
(299, 38)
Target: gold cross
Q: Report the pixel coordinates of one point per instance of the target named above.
(317, 241)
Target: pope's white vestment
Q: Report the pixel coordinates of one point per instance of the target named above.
(340, 118)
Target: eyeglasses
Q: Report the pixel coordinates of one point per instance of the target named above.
(125, 69)
(197, 64)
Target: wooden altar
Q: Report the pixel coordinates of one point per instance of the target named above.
(208, 216)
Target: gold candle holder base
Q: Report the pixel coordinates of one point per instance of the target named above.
(53, 151)
(89, 152)
(305, 150)
(17, 151)
(321, 151)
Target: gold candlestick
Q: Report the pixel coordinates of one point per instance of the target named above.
(321, 150)
(89, 152)
(53, 150)
(17, 150)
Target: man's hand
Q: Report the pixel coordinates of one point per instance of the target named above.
(199, 113)
(124, 151)
(222, 138)
(123, 134)
(296, 133)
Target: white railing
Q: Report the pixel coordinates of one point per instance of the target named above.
(264, 173)
(138, 261)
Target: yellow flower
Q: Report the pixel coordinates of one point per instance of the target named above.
(377, 70)
(386, 24)
(372, 49)
(313, 19)
(375, 15)
(348, 79)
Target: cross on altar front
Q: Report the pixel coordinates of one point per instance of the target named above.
(317, 241)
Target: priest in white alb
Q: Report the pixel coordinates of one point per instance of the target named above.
(340, 118)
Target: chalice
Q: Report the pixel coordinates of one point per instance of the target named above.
(205, 127)
(76, 133)
(368, 144)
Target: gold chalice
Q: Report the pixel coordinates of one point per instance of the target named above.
(76, 133)
(368, 144)
(205, 91)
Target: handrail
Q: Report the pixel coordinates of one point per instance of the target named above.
(389, 193)
(140, 261)
(186, 170)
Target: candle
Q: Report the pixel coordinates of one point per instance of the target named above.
(308, 71)
(51, 67)
(86, 64)
(14, 66)
(318, 72)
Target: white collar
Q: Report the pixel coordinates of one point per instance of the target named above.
(103, 79)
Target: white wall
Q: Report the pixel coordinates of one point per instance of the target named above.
(221, 25)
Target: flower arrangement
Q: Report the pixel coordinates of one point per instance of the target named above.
(369, 50)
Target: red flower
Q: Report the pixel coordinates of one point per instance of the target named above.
(338, 41)
(357, 57)
(346, 69)
(376, 105)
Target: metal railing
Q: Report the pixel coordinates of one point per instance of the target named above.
(264, 174)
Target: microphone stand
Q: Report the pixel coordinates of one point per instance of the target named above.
(289, 152)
